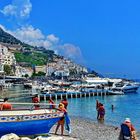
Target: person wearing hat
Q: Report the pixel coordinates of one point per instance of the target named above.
(61, 122)
(129, 124)
(5, 105)
(65, 102)
(128, 130)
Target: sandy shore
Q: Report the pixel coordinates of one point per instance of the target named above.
(88, 130)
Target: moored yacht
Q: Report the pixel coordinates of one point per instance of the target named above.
(115, 92)
(28, 84)
(125, 87)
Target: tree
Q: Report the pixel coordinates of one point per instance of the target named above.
(7, 69)
(73, 71)
(40, 73)
(26, 75)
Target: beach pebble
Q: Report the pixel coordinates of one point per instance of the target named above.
(10, 136)
(53, 137)
(49, 138)
(25, 138)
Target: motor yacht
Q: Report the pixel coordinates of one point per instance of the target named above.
(125, 87)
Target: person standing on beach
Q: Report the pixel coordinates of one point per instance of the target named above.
(36, 101)
(6, 105)
(65, 102)
(61, 122)
(127, 131)
(101, 111)
(97, 108)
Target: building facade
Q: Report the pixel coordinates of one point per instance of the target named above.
(6, 57)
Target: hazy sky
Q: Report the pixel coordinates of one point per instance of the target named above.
(101, 34)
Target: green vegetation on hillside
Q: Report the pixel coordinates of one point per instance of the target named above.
(34, 58)
(7, 69)
(40, 73)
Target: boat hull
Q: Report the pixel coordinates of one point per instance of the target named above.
(28, 122)
(130, 90)
(115, 92)
(27, 127)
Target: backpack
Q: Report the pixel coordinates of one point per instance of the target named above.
(125, 130)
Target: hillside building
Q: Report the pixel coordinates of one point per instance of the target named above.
(6, 57)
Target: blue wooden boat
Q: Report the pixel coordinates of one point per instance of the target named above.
(28, 122)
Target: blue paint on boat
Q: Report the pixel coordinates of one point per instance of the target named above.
(30, 127)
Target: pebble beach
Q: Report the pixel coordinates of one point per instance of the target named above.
(81, 130)
(88, 130)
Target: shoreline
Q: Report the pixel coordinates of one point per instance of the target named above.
(83, 129)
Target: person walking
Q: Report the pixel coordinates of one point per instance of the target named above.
(5, 105)
(127, 131)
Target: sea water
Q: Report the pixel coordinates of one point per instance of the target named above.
(127, 105)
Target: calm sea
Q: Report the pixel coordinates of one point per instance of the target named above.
(125, 106)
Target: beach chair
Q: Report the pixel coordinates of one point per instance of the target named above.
(126, 132)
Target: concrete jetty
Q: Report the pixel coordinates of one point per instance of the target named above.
(96, 92)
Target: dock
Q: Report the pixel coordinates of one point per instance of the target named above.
(97, 92)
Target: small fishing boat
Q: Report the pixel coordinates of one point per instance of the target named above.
(28, 121)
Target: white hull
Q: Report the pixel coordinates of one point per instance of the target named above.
(126, 88)
(111, 92)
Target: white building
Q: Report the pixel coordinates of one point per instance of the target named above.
(20, 71)
(62, 73)
(1, 68)
(63, 67)
(6, 57)
(49, 71)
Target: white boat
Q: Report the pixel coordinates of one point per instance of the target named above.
(88, 85)
(125, 87)
(115, 92)
(96, 80)
(28, 84)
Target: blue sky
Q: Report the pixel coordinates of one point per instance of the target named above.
(103, 35)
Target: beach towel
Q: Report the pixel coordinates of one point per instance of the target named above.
(67, 123)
